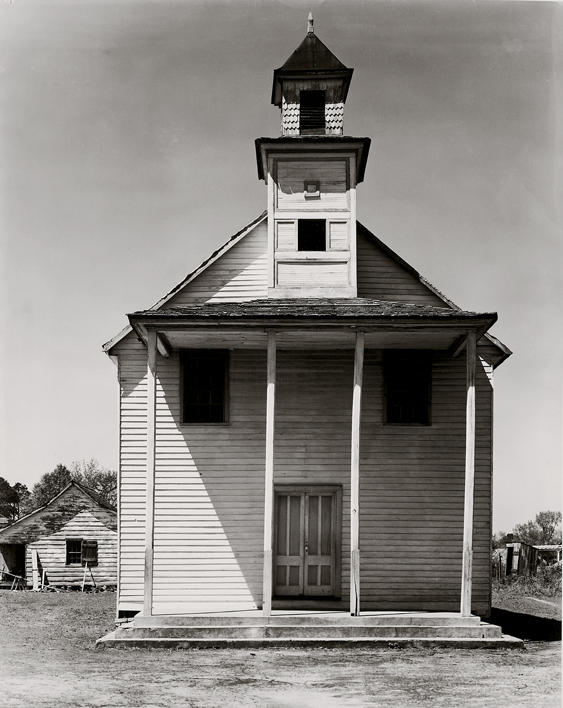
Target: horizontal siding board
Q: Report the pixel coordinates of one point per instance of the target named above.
(382, 278)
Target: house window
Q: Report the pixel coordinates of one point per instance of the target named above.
(407, 386)
(312, 112)
(73, 551)
(204, 385)
(311, 235)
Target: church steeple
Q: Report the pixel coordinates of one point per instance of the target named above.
(311, 89)
(312, 171)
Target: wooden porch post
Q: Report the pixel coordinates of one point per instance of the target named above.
(467, 562)
(269, 477)
(151, 446)
(355, 478)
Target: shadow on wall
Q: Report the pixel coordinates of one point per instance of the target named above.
(216, 511)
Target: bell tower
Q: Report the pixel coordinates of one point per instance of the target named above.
(312, 171)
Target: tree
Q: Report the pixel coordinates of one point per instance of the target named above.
(101, 480)
(50, 484)
(544, 530)
(87, 472)
(14, 500)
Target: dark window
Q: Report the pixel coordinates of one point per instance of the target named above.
(204, 394)
(73, 551)
(312, 112)
(407, 377)
(311, 235)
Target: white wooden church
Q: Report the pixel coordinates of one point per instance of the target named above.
(306, 422)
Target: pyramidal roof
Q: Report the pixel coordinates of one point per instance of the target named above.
(312, 55)
(311, 58)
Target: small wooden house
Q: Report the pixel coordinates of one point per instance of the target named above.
(306, 422)
(52, 544)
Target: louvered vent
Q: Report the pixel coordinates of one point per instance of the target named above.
(312, 113)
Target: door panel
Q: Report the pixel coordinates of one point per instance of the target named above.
(288, 578)
(307, 542)
(319, 551)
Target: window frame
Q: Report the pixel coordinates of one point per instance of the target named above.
(424, 358)
(69, 552)
(184, 354)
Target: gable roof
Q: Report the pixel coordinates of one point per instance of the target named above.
(108, 346)
(85, 490)
(505, 352)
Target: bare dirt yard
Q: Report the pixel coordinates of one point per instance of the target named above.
(47, 659)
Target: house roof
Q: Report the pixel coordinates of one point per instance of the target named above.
(316, 308)
(311, 58)
(85, 490)
(505, 352)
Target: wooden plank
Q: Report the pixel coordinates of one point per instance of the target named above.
(35, 568)
(467, 562)
(269, 477)
(355, 478)
(151, 469)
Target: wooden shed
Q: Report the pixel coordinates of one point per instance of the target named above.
(52, 544)
(306, 422)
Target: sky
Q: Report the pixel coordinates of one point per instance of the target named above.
(127, 156)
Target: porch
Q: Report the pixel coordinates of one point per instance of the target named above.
(349, 328)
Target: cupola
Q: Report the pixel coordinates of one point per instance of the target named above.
(312, 171)
(311, 88)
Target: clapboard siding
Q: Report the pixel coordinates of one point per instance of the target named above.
(209, 496)
(329, 273)
(332, 179)
(51, 551)
(240, 274)
(412, 496)
(382, 278)
(313, 428)
(338, 236)
(132, 356)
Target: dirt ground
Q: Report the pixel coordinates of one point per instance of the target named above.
(48, 659)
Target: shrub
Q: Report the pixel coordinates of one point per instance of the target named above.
(546, 582)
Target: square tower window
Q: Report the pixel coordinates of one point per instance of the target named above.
(311, 235)
(312, 112)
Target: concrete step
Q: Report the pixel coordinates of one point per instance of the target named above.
(111, 641)
(306, 632)
(334, 619)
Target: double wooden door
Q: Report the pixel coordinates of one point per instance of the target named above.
(307, 541)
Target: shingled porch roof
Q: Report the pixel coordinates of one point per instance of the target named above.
(322, 308)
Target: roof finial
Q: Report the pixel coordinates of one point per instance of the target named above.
(310, 29)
